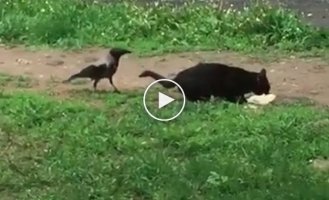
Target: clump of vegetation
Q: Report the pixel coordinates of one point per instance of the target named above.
(55, 149)
(156, 27)
(16, 81)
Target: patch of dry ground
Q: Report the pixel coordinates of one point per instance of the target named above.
(294, 77)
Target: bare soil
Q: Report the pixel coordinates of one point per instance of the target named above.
(293, 77)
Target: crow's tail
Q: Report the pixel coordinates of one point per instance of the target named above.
(87, 72)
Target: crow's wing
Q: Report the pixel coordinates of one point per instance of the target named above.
(93, 71)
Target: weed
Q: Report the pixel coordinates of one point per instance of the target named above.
(16, 81)
(5, 79)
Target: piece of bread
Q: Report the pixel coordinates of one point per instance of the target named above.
(261, 99)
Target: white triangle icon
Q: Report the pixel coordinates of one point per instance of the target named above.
(164, 100)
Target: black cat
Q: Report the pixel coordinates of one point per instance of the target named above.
(204, 80)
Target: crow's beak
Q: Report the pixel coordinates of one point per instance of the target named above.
(126, 51)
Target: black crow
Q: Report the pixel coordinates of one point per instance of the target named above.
(104, 68)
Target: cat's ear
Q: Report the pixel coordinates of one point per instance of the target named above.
(262, 73)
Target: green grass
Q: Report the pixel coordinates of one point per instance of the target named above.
(54, 149)
(156, 28)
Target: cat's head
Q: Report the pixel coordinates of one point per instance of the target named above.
(262, 84)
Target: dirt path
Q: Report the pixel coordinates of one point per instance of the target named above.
(290, 77)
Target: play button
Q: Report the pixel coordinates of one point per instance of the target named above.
(164, 99)
(161, 103)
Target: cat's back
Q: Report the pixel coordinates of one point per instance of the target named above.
(212, 75)
(205, 71)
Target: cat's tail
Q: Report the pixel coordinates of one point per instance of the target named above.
(156, 76)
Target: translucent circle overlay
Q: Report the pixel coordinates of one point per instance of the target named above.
(166, 119)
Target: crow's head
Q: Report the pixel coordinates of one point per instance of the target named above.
(118, 52)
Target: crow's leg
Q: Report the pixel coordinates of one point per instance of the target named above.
(95, 84)
(115, 88)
